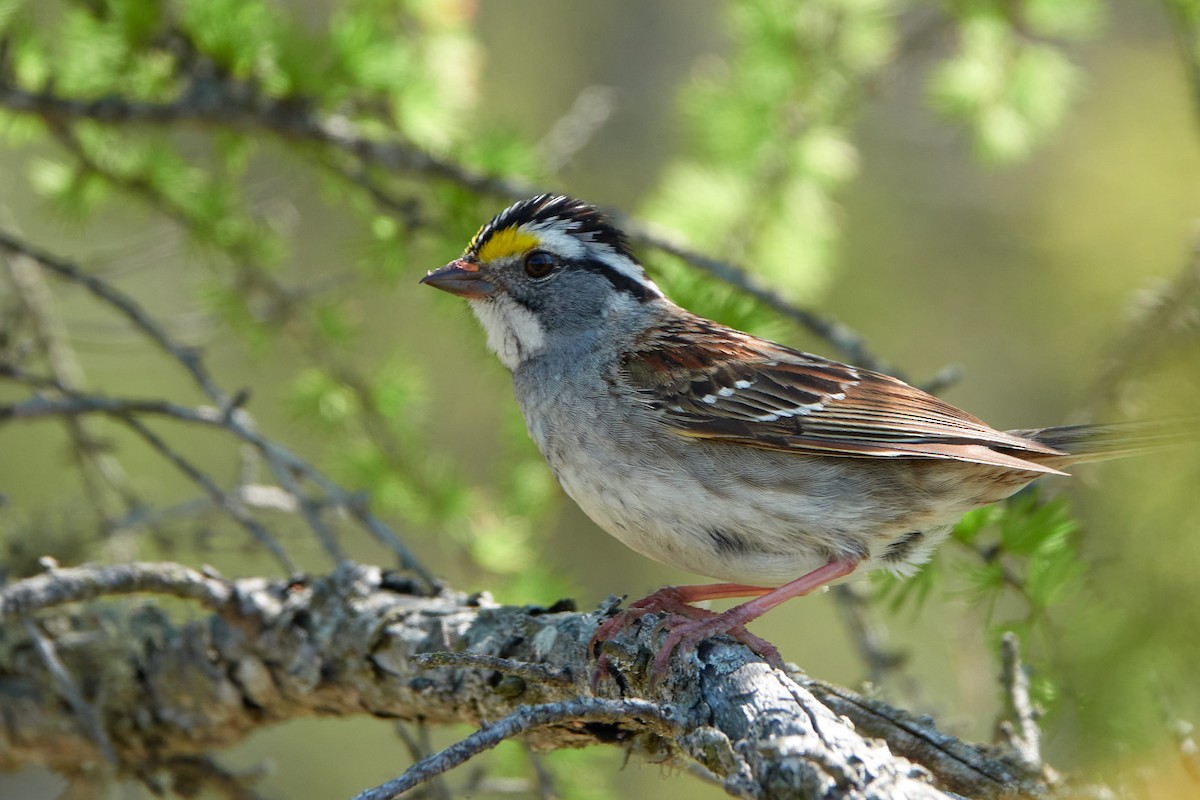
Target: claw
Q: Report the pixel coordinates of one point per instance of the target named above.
(687, 625)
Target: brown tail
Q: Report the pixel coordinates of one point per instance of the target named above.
(1113, 440)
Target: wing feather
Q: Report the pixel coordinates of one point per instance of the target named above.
(713, 382)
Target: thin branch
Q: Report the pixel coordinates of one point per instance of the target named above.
(191, 774)
(251, 495)
(187, 356)
(846, 340)
(220, 497)
(310, 509)
(283, 300)
(79, 403)
(1020, 731)
(228, 104)
(281, 462)
(419, 747)
(593, 107)
(546, 783)
(229, 416)
(520, 721)
(959, 767)
(85, 712)
(867, 632)
(943, 379)
(50, 336)
(79, 584)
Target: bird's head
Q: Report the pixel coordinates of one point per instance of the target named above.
(547, 269)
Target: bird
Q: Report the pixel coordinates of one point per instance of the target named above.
(771, 470)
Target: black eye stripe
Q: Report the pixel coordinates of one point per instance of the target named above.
(620, 281)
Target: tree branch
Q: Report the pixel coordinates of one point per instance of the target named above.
(352, 642)
(582, 711)
(230, 415)
(210, 101)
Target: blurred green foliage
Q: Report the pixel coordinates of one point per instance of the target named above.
(1010, 79)
(771, 131)
(769, 147)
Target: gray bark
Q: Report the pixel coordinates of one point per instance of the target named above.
(165, 692)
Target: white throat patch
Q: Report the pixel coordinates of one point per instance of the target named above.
(513, 332)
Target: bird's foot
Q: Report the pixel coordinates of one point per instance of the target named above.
(688, 626)
(668, 601)
(685, 637)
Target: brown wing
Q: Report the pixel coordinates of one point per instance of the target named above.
(713, 382)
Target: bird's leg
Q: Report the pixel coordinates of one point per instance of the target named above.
(690, 633)
(674, 601)
(690, 625)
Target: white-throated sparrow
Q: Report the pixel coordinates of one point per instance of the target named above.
(718, 452)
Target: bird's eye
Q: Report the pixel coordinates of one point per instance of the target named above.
(539, 263)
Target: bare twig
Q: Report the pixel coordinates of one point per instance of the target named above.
(283, 300)
(546, 784)
(238, 106)
(281, 461)
(191, 774)
(867, 632)
(79, 584)
(419, 747)
(229, 415)
(959, 767)
(84, 711)
(50, 335)
(524, 719)
(75, 404)
(943, 379)
(223, 499)
(850, 343)
(187, 356)
(1020, 731)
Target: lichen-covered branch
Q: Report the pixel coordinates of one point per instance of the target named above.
(365, 641)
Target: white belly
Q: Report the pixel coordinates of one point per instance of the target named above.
(735, 513)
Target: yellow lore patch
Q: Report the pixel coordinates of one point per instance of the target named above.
(507, 242)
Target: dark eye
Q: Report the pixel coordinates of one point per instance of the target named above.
(539, 263)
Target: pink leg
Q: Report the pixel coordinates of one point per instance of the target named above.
(691, 625)
(673, 601)
(691, 633)
(715, 591)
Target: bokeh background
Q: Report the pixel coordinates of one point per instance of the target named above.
(1025, 268)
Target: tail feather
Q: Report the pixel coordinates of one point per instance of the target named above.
(1113, 440)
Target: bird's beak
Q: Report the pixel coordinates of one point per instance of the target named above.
(461, 278)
